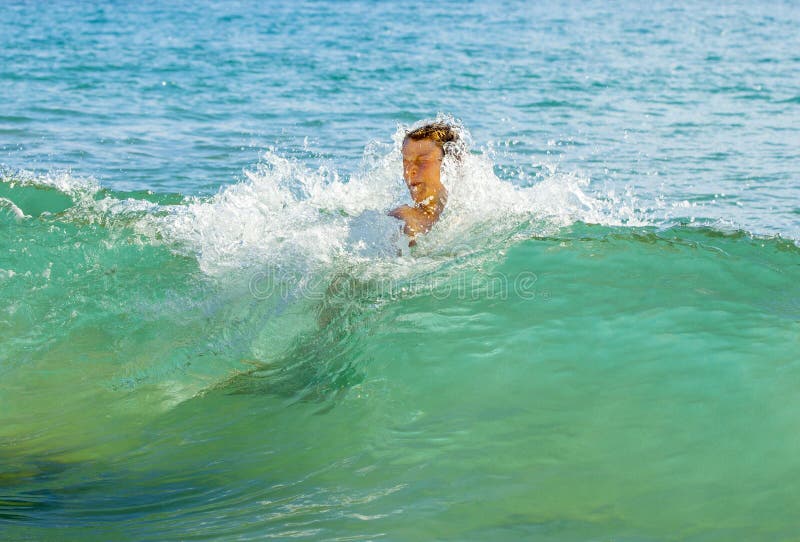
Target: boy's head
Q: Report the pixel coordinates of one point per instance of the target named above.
(438, 132)
(423, 151)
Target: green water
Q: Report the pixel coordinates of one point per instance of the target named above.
(598, 341)
(593, 383)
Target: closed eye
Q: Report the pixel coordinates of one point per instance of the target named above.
(420, 161)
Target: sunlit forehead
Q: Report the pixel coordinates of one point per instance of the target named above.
(421, 151)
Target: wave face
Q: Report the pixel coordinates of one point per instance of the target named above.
(563, 350)
(267, 252)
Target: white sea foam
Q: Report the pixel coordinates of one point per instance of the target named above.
(285, 213)
(13, 210)
(63, 181)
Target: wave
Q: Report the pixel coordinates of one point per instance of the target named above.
(272, 286)
(287, 217)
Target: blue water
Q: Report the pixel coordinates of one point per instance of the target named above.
(681, 103)
(598, 341)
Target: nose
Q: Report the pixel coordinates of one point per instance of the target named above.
(410, 171)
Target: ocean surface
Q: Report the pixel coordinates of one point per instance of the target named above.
(209, 328)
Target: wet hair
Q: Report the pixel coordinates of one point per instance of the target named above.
(440, 133)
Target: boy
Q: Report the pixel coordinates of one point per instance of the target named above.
(423, 152)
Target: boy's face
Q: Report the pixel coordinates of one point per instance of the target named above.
(422, 163)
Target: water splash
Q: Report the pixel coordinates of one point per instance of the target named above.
(285, 213)
(279, 257)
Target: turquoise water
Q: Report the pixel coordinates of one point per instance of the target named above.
(204, 337)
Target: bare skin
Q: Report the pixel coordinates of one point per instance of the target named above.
(422, 169)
